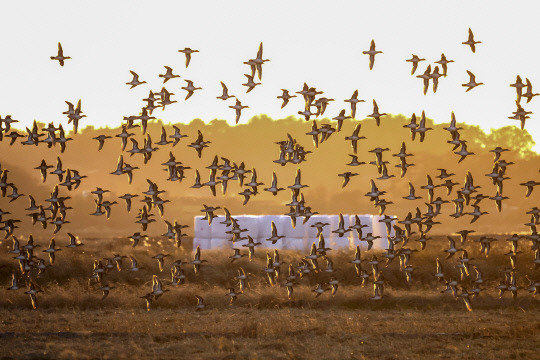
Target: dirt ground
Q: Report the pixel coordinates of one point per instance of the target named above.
(240, 333)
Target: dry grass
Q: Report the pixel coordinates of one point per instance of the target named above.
(412, 321)
(240, 333)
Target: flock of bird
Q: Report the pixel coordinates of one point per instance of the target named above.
(55, 209)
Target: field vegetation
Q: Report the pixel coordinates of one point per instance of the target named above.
(412, 320)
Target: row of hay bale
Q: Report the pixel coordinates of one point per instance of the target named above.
(298, 238)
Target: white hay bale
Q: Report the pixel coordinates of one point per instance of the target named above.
(218, 231)
(379, 229)
(205, 244)
(249, 222)
(221, 243)
(265, 226)
(288, 231)
(201, 228)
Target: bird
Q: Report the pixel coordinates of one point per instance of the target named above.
(414, 60)
(274, 189)
(320, 289)
(52, 250)
(168, 74)
(471, 42)
(105, 289)
(200, 303)
(346, 177)
(190, 88)
(274, 237)
(426, 76)
(285, 96)
(60, 56)
(196, 262)
(529, 95)
(233, 294)
(32, 291)
(250, 84)
(530, 186)
(376, 115)
(472, 82)
(187, 51)
(463, 152)
(353, 101)
(238, 107)
(371, 52)
(101, 139)
(135, 81)
(444, 63)
(225, 94)
(43, 167)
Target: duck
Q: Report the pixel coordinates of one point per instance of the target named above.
(190, 88)
(354, 138)
(411, 195)
(376, 115)
(414, 60)
(346, 177)
(14, 282)
(238, 107)
(32, 291)
(212, 182)
(320, 289)
(435, 75)
(106, 290)
(241, 277)
(529, 95)
(384, 171)
(60, 56)
(476, 213)
(444, 63)
(354, 161)
(498, 198)
(274, 189)
(187, 52)
(274, 237)
(168, 74)
(136, 237)
(52, 250)
(426, 76)
(297, 186)
(472, 82)
(354, 101)
(134, 265)
(377, 296)
(225, 94)
(471, 42)
(452, 250)
(135, 81)
(200, 303)
(233, 295)
(196, 262)
(236, 255)
(285, 96)
(372, 52)
(250, 84)
(251, 247)
(43, 167)
(341, 227)
(463, 151)
(160, 258)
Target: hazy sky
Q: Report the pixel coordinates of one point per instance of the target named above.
(318, 42)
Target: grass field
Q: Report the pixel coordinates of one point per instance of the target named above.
(412, 321)
(250, 333)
